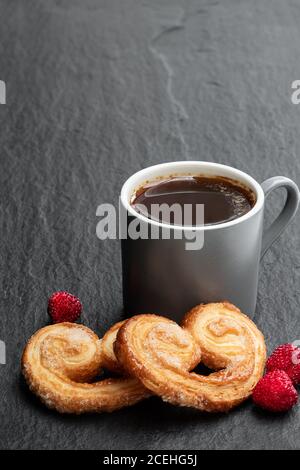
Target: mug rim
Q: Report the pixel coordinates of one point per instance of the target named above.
(239, 175)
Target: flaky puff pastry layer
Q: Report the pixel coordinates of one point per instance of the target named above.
(109, 360)
(148, 347)
(59, 361)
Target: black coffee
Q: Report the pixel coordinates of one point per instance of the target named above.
(224, 199)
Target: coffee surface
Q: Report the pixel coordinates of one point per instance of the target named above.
(223, 199)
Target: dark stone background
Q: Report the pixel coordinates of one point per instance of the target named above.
(95, 91)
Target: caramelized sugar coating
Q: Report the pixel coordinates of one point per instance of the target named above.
(109, 360)
(60, 360)
(157, 352)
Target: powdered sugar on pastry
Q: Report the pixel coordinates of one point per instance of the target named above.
(58, 363)
(229, 342)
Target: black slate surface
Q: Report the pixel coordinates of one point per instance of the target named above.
(95, 91)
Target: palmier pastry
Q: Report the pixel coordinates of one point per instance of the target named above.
(60, 359)
(109, 360)
(147, 345)
(188, 357)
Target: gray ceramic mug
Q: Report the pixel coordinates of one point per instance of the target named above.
(162, 276)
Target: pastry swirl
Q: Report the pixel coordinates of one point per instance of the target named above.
(109, 360)
(148, 346)
(59, 361)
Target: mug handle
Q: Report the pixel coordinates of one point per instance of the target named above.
(288, 212)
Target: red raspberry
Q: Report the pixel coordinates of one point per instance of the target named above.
(275, 392)
(63, 306)
(286, 357)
